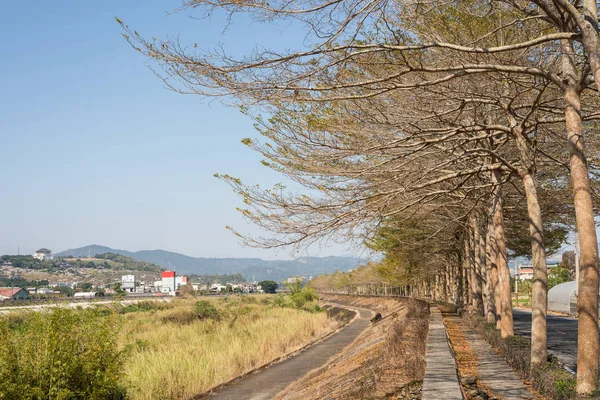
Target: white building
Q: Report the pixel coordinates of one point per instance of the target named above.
(181, 281)
(43, 254)
(525, 271)
(168, 283)
(128, 283)
(217, 287)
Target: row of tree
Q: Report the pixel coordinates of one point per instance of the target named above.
(440, 132)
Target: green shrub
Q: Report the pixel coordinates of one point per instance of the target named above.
(63, 354)
(282, 301)
(206, 310)
(303, 296)
(315, 309)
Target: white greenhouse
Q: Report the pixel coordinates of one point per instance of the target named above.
(563, 298)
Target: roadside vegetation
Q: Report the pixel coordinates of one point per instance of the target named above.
(151, 350)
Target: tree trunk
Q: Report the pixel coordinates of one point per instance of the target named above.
(505, 314)
(466, 271)
(483, 263)
(539, 290)
(476, 268)
(492, 273)
(587, 301)
(458, 300)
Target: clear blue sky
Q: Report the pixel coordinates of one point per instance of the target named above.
(95, 151)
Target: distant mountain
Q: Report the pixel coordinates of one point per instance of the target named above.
(92, 250)
(252, 268)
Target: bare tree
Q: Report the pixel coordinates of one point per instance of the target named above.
(406, 46)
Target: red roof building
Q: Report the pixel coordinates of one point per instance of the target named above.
(13, 293)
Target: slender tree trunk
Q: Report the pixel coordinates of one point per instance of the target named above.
(459, 281)
(483, 263)
(476, 268)
(492, 272)
(587, 301)
(505, 314)
(539, 290)
(465, 276)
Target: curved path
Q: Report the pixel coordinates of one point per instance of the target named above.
(265, 384)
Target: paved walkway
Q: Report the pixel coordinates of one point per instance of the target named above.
(493, 372)
(266, 383)
(441, 378)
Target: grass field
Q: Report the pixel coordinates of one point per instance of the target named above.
(160, 350)
(176, 356)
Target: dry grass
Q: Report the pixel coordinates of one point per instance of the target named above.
(174, 355)
(387, 357)
(465, 356)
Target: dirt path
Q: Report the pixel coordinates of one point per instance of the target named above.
(266, 383)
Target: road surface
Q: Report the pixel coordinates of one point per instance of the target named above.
(562, 335)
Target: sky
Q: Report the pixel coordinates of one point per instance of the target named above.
(95, 150)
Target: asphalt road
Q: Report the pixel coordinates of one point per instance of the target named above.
(562, 335)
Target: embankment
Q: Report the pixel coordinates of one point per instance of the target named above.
(388, 359)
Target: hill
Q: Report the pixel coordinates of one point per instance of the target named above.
(252, 268)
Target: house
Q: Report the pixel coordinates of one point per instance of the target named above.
(43, 254)
(525, 271)
(248, 287)
(217, 287)
(6, 264)
(13, 293)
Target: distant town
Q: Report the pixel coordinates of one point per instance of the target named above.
(85, 278)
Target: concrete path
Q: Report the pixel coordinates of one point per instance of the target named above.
(265, 384)
(494, 372)
(441, 378)
(562, 335)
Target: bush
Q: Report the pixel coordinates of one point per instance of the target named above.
(315, 309)
(303, 296)
(283, 301)
(64, 354)
(206, 310)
